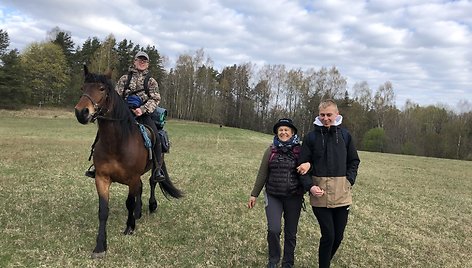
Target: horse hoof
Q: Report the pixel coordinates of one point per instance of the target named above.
(98, 255)
(152, 207)
(128, 231)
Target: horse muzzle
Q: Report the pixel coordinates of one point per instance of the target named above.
(83, 116)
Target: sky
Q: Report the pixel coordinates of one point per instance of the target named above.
(424, 48)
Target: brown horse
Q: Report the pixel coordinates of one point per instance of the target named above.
(120, 154)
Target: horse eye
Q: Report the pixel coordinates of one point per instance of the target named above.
(102, 88)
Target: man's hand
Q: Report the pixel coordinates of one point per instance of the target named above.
(316, 191)
(303, 168)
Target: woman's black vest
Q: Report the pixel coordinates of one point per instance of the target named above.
(283, 178)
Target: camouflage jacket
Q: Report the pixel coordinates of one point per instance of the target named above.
(136, 87)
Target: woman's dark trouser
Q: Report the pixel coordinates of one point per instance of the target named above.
(332, 223)
(290, 208)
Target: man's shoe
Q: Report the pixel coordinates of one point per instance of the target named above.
(90, 172)
(159, 175)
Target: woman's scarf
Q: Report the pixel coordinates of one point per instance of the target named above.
(293, 141)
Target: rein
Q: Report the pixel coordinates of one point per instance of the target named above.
(99, 111)
(109, 118)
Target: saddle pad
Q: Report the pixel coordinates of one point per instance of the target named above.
(146, 132)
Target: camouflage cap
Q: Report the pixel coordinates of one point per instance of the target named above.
(141, 54)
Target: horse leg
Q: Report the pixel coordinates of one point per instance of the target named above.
(139, 203)
(153, 180)
(131, 221)
(152, 197)
(131, 205)
(103, 187)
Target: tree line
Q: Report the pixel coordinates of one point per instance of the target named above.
(49, 73)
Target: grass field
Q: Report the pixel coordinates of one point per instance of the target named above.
(408, 211)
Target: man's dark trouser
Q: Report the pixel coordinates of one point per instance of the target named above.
(290, 208)
(332, 223)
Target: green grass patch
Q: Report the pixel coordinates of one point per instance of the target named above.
(408, 211)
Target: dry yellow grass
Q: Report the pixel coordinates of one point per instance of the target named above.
(408, 211)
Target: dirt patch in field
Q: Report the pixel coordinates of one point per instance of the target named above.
(40, 112)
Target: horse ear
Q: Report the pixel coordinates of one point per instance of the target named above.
(86, 71)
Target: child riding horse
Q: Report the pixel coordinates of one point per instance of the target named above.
(120, 154)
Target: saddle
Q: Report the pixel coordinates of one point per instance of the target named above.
(149, 137)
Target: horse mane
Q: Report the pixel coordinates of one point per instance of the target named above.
(117, 106)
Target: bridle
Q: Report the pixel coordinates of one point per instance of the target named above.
(99, 110)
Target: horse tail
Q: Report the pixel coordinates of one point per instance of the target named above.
(167, 187)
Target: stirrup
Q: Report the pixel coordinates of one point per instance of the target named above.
(90, 172)
(159, 176)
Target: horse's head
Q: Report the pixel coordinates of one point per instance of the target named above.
(94, 99)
